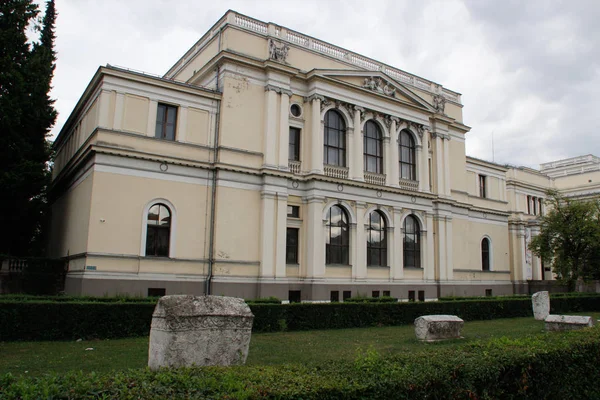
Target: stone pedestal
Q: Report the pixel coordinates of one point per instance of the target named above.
(199, 330)
(541, 305)
(567, 322)
(432, 328)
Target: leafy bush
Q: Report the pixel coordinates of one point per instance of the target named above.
(360, 299)
(550, 365)
(265, 300)
(70, 320)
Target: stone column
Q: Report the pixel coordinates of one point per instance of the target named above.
(391, 248)
(427, 262)
(152, 111)
(419, 154)
(397, 267)
(284, 129)
(359, 244)
(270, 134)
(358, 146)
(281, 235)
(314, 256)
(424, 163)
(267, 234)
(393, 172)
(316, 134)
(447, 185)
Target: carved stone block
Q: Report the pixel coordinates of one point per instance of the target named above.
(431, 328)
(199, 330)
(567, 322)
(541, 305)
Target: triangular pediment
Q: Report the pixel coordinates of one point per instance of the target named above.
(378, 83)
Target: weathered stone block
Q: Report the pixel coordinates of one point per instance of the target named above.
(541, 305)
(567, 322)
(199, 330)
(438, 327)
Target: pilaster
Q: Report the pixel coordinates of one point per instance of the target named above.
(439, 165)
(393, 170)
(182, 117)
(281, 234)
(397, 266)
(424, 164)
(267, 233)
(284, 130)
(449, 250)
(316, 158)
(358, 146)
(430, 246)
(119, 106)
(104, 109)
(314, 257)
(387, 161)
(447, 185)
(359, 267)
(270, 135)
(152, 111)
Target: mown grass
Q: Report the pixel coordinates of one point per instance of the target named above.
(309, 347)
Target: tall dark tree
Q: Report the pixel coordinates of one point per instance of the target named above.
(26, 115)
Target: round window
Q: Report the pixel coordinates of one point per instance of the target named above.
(296, 110)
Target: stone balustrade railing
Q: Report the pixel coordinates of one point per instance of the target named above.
(375, 179)
(294, 167)
(408, 184)
(336, 171)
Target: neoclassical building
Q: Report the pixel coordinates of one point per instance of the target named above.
(266, 162)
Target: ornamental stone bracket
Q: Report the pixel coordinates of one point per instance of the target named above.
(278, 51)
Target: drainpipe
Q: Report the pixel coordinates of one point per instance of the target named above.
(211, 261)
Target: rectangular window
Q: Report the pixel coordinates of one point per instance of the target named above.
(293, 211)
(346, 295)
(488, 292)
(411, 295)
(294, 144)
(482, 188)
(375, 293)
(528, 204)
(421, 295)
(156, 292)
(540, 206)
(291, 246)
(334, 296)
(295, 296)
(166, 121)
(386, 293)
(534, 205)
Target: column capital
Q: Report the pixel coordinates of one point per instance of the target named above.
(314, 97)
(278, 89)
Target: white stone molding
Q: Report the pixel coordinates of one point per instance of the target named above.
(389, 218)
(344, 204)
(278, 90)
(348, 119)
(422, 223)
(151, 125)
(172, 234)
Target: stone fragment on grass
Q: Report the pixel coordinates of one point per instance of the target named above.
(199, 330)
(541, 305)
(567, 322)
(431, 328)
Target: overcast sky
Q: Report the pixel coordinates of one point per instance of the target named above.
(528, 71)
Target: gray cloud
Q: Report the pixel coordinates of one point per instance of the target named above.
(528, 71)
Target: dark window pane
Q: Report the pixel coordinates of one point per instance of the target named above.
(337, 238)
(292, 246)
(158, 231)
(166, 121)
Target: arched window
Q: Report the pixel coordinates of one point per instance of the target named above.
(334, 152)
(412, 242)
(337, 237)
(485, 254)
(408, 162)
(158, 233)
(373, 148)
(376, 240)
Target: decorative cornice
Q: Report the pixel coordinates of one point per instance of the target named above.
(312, 97)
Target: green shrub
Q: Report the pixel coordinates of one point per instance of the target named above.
(70, 320)
(545, 366)
(361, 299)
(265, 300)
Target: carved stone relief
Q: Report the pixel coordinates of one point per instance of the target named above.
(278, 51)
(439, 103)
(379, 85)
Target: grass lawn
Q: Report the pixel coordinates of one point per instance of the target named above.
(37, 358)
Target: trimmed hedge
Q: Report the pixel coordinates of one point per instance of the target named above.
(544, 366)
(49, 320)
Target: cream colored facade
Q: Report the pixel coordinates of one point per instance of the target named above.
(229, 181)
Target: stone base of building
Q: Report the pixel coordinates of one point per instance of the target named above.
(289, 290)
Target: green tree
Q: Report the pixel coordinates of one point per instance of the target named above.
(569, 238)
(26, 115)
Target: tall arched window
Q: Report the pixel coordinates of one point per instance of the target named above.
(334, 152)
(376, 240)
(412, 242)
(485, 254)
(337, 237)
(373, 148)
(408, 162)
(158, 233)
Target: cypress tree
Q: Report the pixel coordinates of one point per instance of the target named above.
(26, 116)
